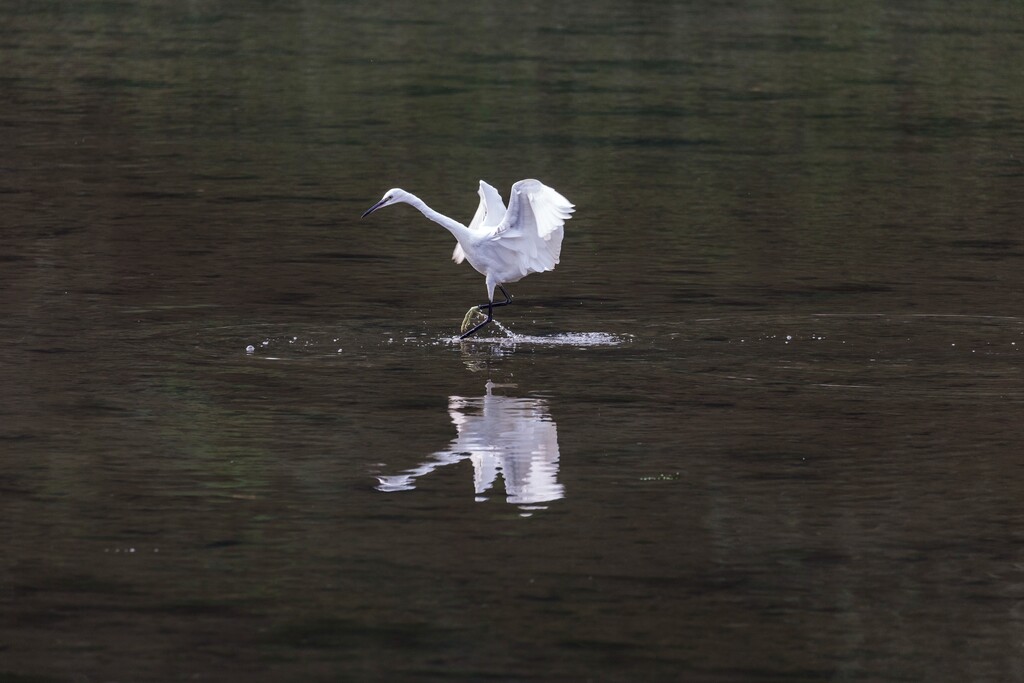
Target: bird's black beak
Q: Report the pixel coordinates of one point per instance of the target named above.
(373, 208)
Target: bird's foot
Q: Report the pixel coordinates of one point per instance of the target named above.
(469, 321)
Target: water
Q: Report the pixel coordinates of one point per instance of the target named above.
(761, 424)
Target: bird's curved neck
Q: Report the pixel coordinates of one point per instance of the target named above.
(456, 228)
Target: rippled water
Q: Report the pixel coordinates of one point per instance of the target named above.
(762, 423)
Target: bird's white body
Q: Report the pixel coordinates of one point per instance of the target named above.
(506, 245)
(503, 244)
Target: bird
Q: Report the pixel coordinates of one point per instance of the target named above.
(502, 244)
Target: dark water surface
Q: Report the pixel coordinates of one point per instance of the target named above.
(763, 423)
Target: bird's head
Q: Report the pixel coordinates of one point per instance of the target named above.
(392, 196)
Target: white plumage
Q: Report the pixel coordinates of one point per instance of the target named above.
(502, 244)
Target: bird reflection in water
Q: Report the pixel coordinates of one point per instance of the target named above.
(512, 437)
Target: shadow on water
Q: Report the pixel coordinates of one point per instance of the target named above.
(514, 438)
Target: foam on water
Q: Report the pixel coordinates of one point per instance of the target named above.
(575, 339)
(278, 342)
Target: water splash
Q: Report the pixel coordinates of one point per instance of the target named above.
(575, 339)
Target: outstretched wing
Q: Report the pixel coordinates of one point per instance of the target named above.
(533, 225)
(490, 212)
(490, 201)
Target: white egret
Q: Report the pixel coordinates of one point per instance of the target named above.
(503, 245)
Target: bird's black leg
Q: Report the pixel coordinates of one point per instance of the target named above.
(490, 305)
(506, 302)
